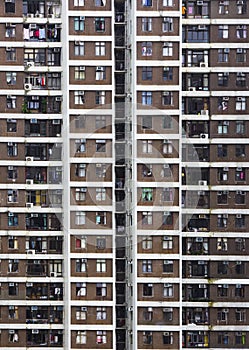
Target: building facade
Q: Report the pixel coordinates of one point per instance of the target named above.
(124, 174)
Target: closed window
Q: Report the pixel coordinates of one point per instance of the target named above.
(100, 73)
(101, 289)
(79, 23)
(147, 338)
(241, 32)
(223, 55)
(147, 98)
(101, 265)
(167, 24)
(100, 97)
(99, 24)
(167, 98)
(147, 3)
(79, 48)
(80, 218)
(100, 49)
(146, 24)
(147, 289)
(81, 265)
(147, 218)
(11, 78)
(81, 337)
(147, 146)
(147, 266)
(79, 73)
(240, 103)
(168, 290)
(241, 55)
(80, 121)
(147, 243)
(100, 145)
(223, 32)
(147, 73)
(167, 242)
(222, 151)
(147, 48)
(168, 49)
(101, 313)
(167, 73)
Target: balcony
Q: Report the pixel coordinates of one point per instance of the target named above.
(44, 314)
(48, 338)
(40, 104)
(198, 316)
(46, 222)
(45, 291)
(42, 8)
(41, 33)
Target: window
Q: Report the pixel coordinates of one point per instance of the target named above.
(222, 151)
(239, 291)
(147, 218)
(79, 24)
(223, 55)
(147, 242)
(100, 146)
(147, 98)
(167, 24)
(222, 197)
(146, 24)
(11, 102)
(80, 265)
(240, 127)
(13, 336)
(80, 242)
(223, 79)
(240, 174)
(100, 73)
(222, 290)
(147, 146)
(241, 32)
(222, 244)
(167, 147)
(11, 78)
(167, 73)
(241, 79)
(79, 3)
(168, 314)
(147, 2)
(147, 289)
(80, 146)
(10, 6)
(240, 267)
(240, 103)
(223, 106)
(240, 315)
(12, 196)
(79, 97)
(101, 313)
(79, 73)
(146, 266)
(223, 337)
(100, 48)
(167, 218)
(100, 194)
(168, 338)
(223, 7)
(147, 73)
(167, 195)
(100, 243)
(12, 219)
(240, 197)
(100, 218)
(147, 194)
(101, 289)
(13, 289)
(80, 121)
(13, 312)
(100, 170)
(168, 49)
(99, 24)
(168, 290)
(80, 194)
(222, 267)
(147, 122)
(100, 97)
(11, 125)
(100, 122)
(147, 337)
(81, 337)
(167, 98)
(79, 48)
(100, 3)
(12, 172)
(240, 221)
(167, 242)
(241, 7)
(240, 338)
(223, 174)
(101, 265)
(240, 150)
(223, 127)
(80, 170)
(80, 218)
(13, 265)
(168, 3)
(167, 122)
(222, 220)
(168, 266)
(223, 32)
(81, 313)
(80, 289)
(148, 314)
(241, 55)
(12, 242)
(147, 48)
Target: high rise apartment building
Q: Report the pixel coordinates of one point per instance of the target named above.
(124, 174)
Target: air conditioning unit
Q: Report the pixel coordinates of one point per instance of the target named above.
(238, 216)
(56, 122)
(130, 308)
(202, 183)
(53, 274)
(199, 3)
(30, 64)
(35, 331)
(30, 15)
(29, 284)
(29, 159)
(8, 48)
(203, 64)
(225, 169)
(202, 27)
(204, 136)
(204, 112)
(27, 87)
(29, 205)
(191, 88)
(58, 99)
(31, 251)
(29, 182)
(51, 15)
(225, 98)
(84, 308)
